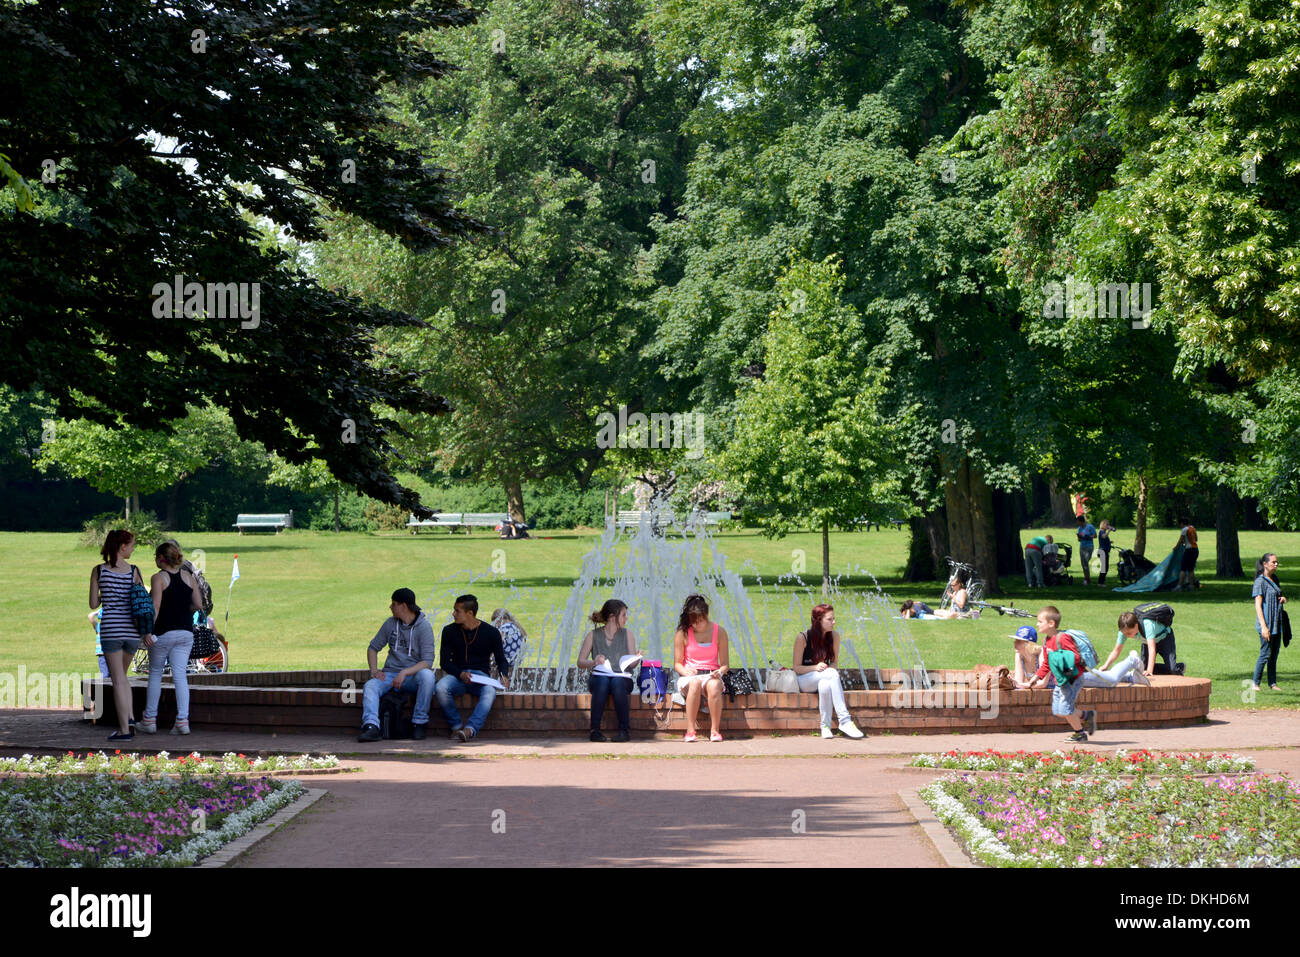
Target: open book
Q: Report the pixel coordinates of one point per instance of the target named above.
(627, 661)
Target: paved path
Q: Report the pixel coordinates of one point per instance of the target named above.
(566, 801)
(590, 812)
(57, 730)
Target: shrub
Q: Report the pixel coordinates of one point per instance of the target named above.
(144, 525)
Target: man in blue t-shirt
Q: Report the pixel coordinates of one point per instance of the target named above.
(1087, 536)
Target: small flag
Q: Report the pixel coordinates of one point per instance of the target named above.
(234, 572)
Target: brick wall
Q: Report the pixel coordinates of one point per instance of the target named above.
(289, 702)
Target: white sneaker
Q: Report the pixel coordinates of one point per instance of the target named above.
(827, 732)
(850, 729)
(1137, 674)
(146, 726)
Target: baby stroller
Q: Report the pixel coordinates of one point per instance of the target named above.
(1056, 567)
(1132, 566)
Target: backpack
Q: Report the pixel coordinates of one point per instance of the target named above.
(1156, 611)
(1086, 651)
(393, 722)
(205, 590)
(141, 606)
(1063, 666)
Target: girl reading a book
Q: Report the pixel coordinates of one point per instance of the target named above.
(700, 659)
(604, 652)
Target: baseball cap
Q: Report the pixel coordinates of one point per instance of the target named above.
(1026, 633)
(406, 597)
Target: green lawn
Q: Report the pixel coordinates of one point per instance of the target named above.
(312, 599)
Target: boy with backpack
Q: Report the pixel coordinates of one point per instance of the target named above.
(1063, 659)
(1152, 623)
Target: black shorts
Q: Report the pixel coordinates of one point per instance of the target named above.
(1190, 556)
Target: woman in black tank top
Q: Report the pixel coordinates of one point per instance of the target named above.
(175, 599)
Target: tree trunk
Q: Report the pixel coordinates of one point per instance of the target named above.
(928, 546)
(826, 558)
(956, 491)
(1009, 510)
(1062, 513)
(336, 509)
(515, 500)
(1140, 533)
(126, 505)
(135, 501)
(173, 498)
(971, 530)
(1227, 546)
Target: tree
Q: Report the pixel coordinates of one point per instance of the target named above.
(810, 445)
(827, 131)
(564, 132)
(130, 462)
(156, 138)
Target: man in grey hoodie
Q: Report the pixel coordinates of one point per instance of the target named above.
(408, 668)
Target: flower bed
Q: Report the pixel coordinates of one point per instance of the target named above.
(162, 763)
(138, 821)
(1087, 762)
(1014, 821)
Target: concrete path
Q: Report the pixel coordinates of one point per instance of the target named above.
(769, 801)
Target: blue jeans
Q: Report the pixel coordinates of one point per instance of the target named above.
(419, 684)
(602, 686)
(170, 647)
(1033, 567)
(1114, 675)
(450, 687)
(1268, 649)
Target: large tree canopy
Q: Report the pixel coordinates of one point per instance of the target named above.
(165, 140)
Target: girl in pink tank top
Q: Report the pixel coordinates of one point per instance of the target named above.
(700, 664)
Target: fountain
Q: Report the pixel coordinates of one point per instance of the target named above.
(652, 566)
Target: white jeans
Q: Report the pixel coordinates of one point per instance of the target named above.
(829, 691)
(1113, 675)
(174, 646)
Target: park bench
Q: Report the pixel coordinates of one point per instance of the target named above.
(896, 523)
(454, 520)
(662, 519)
(275, 522)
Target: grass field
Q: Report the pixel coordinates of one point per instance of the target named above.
(313, 599)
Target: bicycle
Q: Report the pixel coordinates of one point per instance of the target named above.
(1007, 610)
(965, 574)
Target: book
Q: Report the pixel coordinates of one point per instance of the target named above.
(624, 663)
(485, 680)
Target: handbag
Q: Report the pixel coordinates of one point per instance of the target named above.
(739, 681)
(782, 681)
(141, 605)
(1285, 620)
(205, 643)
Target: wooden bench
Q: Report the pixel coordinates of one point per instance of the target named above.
(454, 520)
(275, 522)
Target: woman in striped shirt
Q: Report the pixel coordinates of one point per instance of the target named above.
(110, 587)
